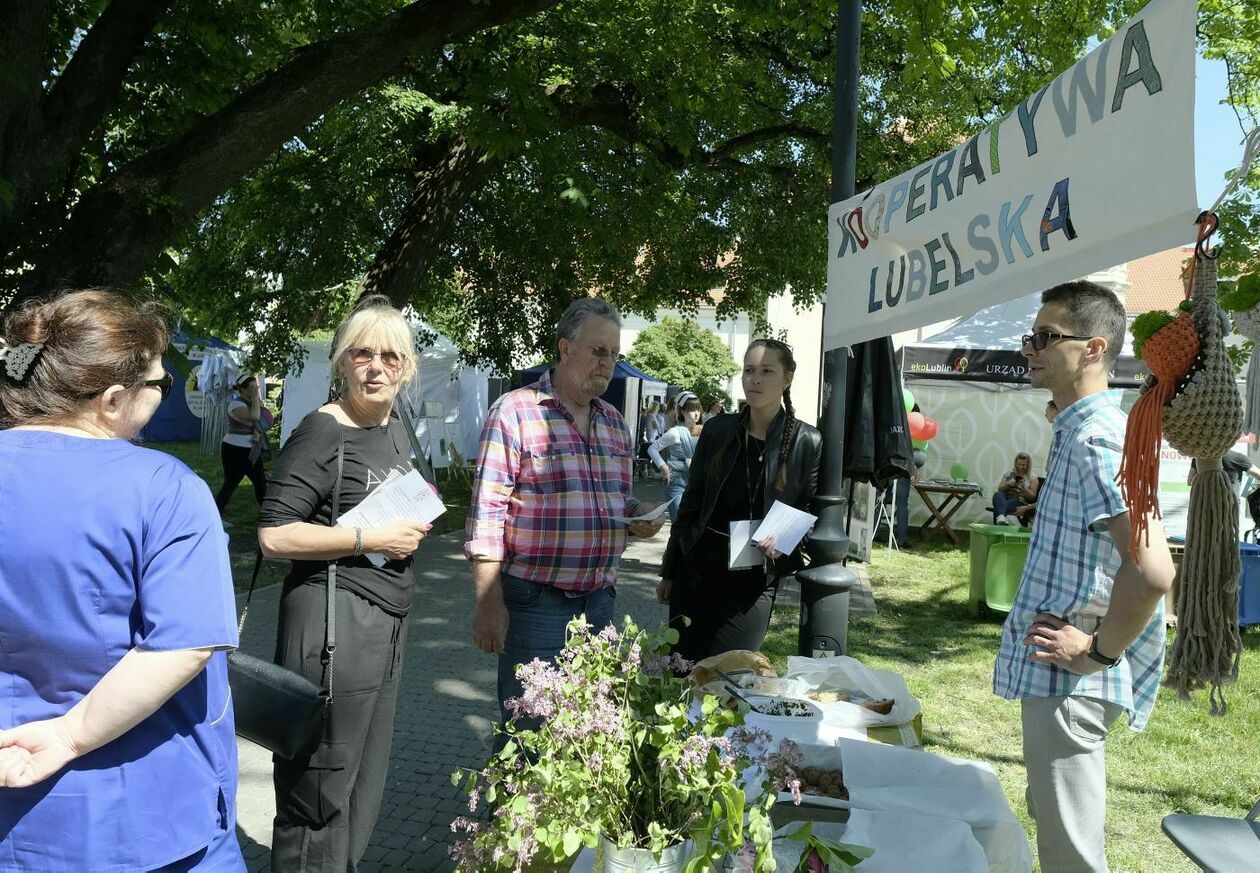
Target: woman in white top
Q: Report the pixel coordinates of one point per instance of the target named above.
(243, 437)
(680, 440)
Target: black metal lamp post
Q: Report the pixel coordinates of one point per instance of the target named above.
(826, 583)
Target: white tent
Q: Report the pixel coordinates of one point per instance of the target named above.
(448, 400)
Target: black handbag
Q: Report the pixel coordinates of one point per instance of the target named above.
(278, 709)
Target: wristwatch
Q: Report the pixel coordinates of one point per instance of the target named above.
(1098, 656)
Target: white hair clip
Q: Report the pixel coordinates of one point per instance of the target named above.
(18, 359)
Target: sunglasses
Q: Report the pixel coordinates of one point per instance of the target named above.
(361, 356)
(163, 384)
(1042, 338)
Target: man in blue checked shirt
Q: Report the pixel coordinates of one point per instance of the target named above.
(1084, 641)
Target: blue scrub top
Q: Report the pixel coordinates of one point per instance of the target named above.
(106, 547)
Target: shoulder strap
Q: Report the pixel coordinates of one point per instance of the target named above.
(253, 580)
(330, 626)
(422, 461)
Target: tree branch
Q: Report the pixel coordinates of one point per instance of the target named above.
(23, 61)
(215, 153)
(91, 81)
(611, 108)
(121, 224)
(448, 172)
(753, 138)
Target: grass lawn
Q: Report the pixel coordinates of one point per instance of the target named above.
(242, 512)
(1185, 760)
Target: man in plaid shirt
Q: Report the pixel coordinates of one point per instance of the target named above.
(553, 477)
(1084, 641)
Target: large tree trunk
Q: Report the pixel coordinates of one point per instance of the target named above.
(120, 226)
(447, 173)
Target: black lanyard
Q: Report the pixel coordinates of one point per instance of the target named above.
(754, 477)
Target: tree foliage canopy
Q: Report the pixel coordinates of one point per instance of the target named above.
(682, 353)
(487, 161)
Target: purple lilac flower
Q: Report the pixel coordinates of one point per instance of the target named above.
(656, 665)
(680, 665)
(695, 754)
(634, 657)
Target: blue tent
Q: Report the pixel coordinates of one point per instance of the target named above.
(616, 393)
(174, 420)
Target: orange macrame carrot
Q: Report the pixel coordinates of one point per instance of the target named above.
(1169, 353)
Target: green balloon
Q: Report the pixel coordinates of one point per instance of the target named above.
(919, 444)
(907, 398)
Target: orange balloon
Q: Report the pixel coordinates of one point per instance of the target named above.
(930, 429)
(915, 420)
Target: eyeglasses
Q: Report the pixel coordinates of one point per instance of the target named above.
(1042, 338)
(604, 353)
(164, 384)
(361, 356)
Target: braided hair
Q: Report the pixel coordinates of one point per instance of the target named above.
(786, 358)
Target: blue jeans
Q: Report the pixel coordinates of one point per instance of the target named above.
(1004, 504)
(673, 492)
(537, 618)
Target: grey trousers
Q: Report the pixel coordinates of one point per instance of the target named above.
(1064, 739)
(327, 804)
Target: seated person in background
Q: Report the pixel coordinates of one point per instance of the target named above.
(1024, 514)
(1017, 489)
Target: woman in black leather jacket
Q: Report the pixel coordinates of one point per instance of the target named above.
(743, 463)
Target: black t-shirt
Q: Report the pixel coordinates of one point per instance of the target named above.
(301, 489)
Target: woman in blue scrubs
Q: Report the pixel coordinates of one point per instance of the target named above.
(116, 608)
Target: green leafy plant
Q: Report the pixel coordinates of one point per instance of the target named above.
(1244, 295)
(620, 754)
(683, 353)
(821, 855)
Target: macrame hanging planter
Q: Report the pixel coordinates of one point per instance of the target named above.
(1194, 403)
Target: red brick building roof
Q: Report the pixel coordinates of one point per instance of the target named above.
(1155, 281)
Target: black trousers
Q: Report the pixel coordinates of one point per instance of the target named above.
(236, 466)
(327, 804)
(728, 610)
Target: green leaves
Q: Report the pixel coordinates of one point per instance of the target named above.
(838, 857)
(621, 756)
(685, 354)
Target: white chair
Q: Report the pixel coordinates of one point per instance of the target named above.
(883, 512)
(1216, 843)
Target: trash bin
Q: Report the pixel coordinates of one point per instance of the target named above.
(824, 623)
(1249, 585)
(994, 578)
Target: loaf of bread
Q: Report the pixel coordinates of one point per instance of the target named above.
(736, 660)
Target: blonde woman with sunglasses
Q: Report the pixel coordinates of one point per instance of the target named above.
(327, 802)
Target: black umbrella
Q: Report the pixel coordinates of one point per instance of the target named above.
(877, 445)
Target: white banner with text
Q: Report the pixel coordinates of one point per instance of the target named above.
(1095, 169)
